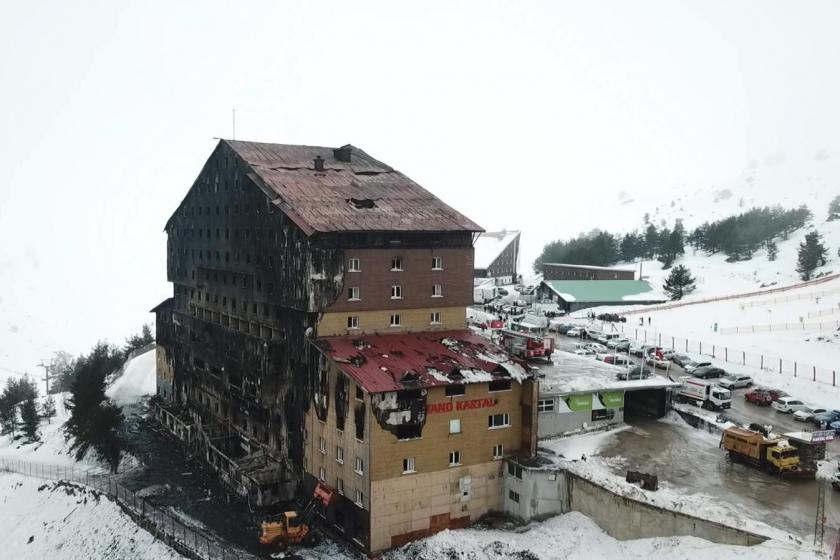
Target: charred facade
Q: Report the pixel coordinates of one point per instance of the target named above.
(258, 253)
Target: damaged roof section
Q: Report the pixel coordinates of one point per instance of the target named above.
(395, 362)
(346, 190)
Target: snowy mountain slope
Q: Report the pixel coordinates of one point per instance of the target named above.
(69, 522)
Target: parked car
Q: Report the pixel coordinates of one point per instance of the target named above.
(596, 347)
(583, 349)
(708, 372)
(776, 394)
(681, 359)
(635, 372)
(668, 354)
(694, 365)
(614, 359)
(788, 404)
(637, 349)
(734, 381)
(808, 413)
(827, 418)
(660, 363)
(616, 342)
(574, 331)
(760, 397)
(564, 328)
(502, 291)
(648, 349)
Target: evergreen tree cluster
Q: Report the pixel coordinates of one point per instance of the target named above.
(18, 409)
(738, 237)
(812, 254)
(94, 420)
(834, 209)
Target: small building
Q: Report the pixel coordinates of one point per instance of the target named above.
(562, 271)
(410, 429)
(578, 393)
(573, 295)
(497, 256)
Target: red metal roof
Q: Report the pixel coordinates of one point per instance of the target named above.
(326, 201)
(382, 363)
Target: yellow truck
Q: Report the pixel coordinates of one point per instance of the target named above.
(774, 455)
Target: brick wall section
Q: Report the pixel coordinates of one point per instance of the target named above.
(378, 322)
(416, 279)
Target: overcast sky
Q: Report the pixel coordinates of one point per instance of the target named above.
(522, 115)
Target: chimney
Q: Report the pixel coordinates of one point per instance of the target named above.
(319, 163)
(343, 153)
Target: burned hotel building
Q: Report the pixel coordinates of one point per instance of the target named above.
(317, 332)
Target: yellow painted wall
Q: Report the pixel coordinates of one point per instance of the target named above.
(412, 320)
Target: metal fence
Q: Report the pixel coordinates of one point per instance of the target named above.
(187, 540)
(824, 312)
(785, 299)
(780, 327)
(731, 355)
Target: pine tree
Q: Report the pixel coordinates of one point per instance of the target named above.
(94, 421)
(772, 251)
(48, 408)
(651, 241)
(29, 420)
(15, 392)
(812, 254)
(8, 415)
(679, 282)
(834, 209)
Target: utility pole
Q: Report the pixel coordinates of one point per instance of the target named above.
(47, 381)
(819, 522)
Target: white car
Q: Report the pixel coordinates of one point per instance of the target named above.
(788, 404)
(616, 342)
(583, 349)
(573, 332)
(733, 381)
(597, 348)
(691, 366)
(808, 412)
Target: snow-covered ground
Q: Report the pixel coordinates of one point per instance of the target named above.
(58, 520)
(136, 381)
(574, 536)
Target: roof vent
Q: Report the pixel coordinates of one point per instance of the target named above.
(343, 153)
(361, 203)
(319, 163)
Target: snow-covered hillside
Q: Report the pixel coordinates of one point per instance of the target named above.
(60, 520)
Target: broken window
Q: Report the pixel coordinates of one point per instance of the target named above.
(499, 385)
(514, 497)
(359, 418)
(408, 465)
(409, 431)
(455, 390)
(396, 264)
(396, 292)
(360, 395)
(341, 404)
(353, 294)
(353, 322)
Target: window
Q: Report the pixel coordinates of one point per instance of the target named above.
(545, 405)
(437, 263)
(396, 263)
(434, 318)
(395, 320)
(322, 473)
(499, 385)
(339, 454)
(339, 485)
(353, 322)
(408, 465)
(360, 395)
(455, 426)
(322, 445)
(437, 290)
(360, 465)
(355, 265)
(396, 292)
(353, 294)
(498, 451)
(360, 498)
(515, 470)
(454, 458)
(514, 497)
(498, 420)
(455, 390)
(603, 414)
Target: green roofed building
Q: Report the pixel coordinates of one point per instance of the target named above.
(573, 295)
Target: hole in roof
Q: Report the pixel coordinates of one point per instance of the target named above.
(362, 203)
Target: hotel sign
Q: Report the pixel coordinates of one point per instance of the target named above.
(460, 405)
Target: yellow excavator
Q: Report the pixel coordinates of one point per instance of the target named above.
(293, 527)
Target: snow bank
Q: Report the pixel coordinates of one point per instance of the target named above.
(136, 381)
(67, 521)
(575, 536)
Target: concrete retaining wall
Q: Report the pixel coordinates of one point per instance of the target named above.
(533, 493)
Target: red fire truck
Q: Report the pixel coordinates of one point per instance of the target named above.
(527, 346)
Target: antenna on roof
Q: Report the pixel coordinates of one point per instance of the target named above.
(233, 137)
